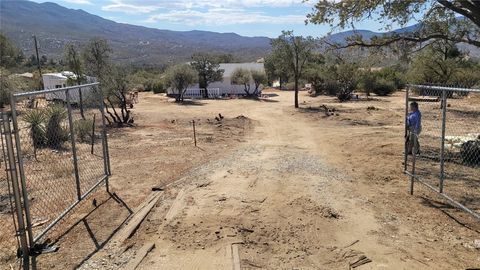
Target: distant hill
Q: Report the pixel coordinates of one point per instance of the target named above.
(55, 26)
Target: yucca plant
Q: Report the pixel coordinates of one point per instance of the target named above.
(36, 121)
(55, 133)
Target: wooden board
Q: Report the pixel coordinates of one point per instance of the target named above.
(235, 257)
(137, 218)
(139, 256)
(424, 99)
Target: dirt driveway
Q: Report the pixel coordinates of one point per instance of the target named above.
(299, 193)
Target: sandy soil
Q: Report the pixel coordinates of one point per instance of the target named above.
(299, 191)
(157, 151)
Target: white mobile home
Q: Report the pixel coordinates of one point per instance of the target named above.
(225, 87)
(60, 80)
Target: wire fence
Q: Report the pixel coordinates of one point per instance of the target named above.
(59, 143)
(444, 154)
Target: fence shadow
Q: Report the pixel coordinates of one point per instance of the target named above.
(445, 208)
(90, 232)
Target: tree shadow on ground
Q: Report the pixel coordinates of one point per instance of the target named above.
(270, 95)
(190, 103)
(257, 99)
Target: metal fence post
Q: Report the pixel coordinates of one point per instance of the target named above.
(405, 165)
(442, 146)
(106, 155)
(194, 133)
(72, 141)
(23, 181)
(11, 168)
(414, 157)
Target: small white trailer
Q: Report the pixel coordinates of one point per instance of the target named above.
(61, 80)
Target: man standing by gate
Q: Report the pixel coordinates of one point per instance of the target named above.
(414, 124)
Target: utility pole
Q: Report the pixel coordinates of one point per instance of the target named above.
(38, 63)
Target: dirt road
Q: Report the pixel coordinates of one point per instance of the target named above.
(278, 202)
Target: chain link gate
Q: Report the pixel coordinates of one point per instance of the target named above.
(445, 156)
(12, 232)
(56, 154)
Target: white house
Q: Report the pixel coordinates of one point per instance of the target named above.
(60, 80)
(225, 87)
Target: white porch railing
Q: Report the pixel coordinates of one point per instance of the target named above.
(197, 93)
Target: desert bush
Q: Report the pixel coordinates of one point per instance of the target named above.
(331, 87)
(394, 75)
(158, 87)
(83, 130)
(290, 86)
(346, 76)
(382, 83)
(55, 133)
(383, 87)
(367, 82)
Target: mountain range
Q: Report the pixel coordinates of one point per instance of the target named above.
(55, 26)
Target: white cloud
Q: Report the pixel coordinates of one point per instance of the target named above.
(79, 2)
(120, 6)
(147, 6)
(223, 16)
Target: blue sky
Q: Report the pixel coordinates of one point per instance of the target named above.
(245, 17)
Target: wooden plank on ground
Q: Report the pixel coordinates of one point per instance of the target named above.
(176, 206)
(139, 256)
(235, 257)
(424, 99)
(137, 218)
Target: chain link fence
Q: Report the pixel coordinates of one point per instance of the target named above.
(59, 143)
(444, 154)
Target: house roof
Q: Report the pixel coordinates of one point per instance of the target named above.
(231, 67)
(61, 75)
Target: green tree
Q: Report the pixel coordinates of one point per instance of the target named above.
(208, 70)
(241, 76)
(113, 81)
(179, 77)
(276, 69)
(115, 89)
(315, 72)
(10, 55)
(96, 56)
(437, 64)
(7, 86)
(439, 20)
(296, 51)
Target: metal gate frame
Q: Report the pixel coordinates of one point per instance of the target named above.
(412, 173)
(14, 161)
(12, 177)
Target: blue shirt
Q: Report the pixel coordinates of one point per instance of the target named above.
(414, 121)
